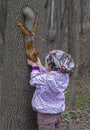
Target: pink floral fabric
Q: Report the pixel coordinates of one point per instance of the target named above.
(49, 93)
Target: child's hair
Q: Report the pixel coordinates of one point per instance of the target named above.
(58, 60)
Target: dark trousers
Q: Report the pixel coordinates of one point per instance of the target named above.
(49, 121)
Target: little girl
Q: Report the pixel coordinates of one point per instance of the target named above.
(50, 82)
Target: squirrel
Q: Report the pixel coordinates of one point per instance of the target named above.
(29, 34)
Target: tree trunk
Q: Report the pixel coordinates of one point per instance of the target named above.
(73, 42)
(17, 113)
(64, 20)
(2, 20)
(59, 31)
(82, 16)
(88, 10)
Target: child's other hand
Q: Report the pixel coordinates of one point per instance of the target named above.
(31, 63)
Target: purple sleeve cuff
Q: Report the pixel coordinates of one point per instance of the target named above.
(35, 68)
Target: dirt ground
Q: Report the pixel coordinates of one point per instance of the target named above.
(78, 118)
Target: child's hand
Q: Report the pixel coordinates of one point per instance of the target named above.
(31, 63)
(39, 62)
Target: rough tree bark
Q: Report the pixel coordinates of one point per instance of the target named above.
(17, 113)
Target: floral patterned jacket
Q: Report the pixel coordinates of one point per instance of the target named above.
(49, 93)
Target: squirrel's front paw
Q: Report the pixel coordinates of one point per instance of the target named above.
(19, 24)
(37, 19)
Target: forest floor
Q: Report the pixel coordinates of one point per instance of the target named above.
(79, 117)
